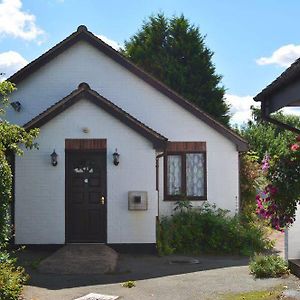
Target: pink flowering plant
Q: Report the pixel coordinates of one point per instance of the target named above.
(277, 201)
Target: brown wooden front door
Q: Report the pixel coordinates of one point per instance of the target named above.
(85, 197)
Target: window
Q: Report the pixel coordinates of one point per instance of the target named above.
(185, 174)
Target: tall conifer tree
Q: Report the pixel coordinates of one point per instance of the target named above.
(173, 51)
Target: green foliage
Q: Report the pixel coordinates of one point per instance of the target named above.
(279, 198)
(174, 51)
(5, 196)
(264, 137)
(12, 137)
(264, 266)
(6, 88)
(129, 284)
(252, 178)
(250, 173)
(183, 205)
(12, 279)
(209, 230)
(281, 166)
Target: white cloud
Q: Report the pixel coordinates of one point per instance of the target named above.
(16, 22)
(291, 111)
(283, 56)
(10, 62)
(110, 42)
(240, 108)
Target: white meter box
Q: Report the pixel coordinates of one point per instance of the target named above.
(137, 200)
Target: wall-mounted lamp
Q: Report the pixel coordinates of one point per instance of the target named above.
(16, 105)
(116, 157)
(54, 157)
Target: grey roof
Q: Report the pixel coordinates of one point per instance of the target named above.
(291, 74)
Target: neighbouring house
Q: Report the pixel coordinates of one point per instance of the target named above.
(282, 92)
(116, 148)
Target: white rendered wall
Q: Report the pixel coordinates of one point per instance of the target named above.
(40, 187)
(293, 239)
(84, 63)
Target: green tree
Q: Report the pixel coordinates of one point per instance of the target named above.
(12, 137)
(174, 51)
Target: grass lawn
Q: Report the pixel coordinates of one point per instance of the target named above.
(273, 294)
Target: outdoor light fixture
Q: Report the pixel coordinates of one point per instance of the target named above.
(54, 158)
(16, 105)
(116, 157)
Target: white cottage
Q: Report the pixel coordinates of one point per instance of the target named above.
(126, 145)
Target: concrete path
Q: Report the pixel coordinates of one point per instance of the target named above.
(209, 284)
(80, 259)
(278, 237)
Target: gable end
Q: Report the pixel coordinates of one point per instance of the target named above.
(83, 34)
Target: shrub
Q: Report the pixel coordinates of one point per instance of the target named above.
(209, 230)
(263, 266)
(12, 279)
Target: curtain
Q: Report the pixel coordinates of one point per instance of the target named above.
(174, 174)
(195, 174)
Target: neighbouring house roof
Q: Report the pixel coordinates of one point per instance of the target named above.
(82, 33)
(287, 77)
(282, 92)
(85, 92)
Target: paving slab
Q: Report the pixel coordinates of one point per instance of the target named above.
(93, 296)
(80, 259)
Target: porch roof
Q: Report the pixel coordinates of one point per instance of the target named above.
(84, 91)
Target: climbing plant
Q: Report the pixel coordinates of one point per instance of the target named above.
(12, 140)
(278, 200)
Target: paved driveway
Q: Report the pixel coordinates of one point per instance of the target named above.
(155, 278)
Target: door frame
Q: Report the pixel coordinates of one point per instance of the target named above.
(85, 146)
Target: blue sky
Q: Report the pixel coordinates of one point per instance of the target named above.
(253, 41)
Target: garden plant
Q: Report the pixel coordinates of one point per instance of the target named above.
(210, 230)
(12, 140)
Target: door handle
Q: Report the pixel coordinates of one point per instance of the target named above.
(102, 200)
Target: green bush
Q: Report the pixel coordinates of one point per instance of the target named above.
(263, 266)
(12, 277)
(209, 230)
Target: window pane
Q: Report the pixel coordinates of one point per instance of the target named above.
(195, 174)
(174, 174)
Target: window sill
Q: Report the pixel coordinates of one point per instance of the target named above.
(174, 199)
